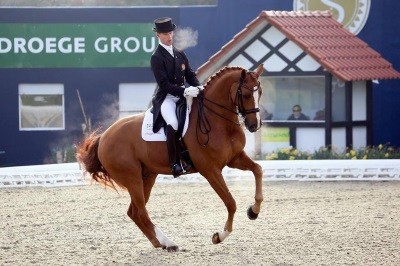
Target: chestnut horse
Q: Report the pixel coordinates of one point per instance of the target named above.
(215, 138)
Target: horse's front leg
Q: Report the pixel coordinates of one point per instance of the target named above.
(243, 162)
(217, 182)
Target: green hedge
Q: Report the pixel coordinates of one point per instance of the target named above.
(328, 153)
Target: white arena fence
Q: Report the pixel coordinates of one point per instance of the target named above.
(47, 175)
(70, 174)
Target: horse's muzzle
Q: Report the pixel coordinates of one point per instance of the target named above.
(252, 126)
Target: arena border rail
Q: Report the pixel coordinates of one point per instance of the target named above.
(327, 170)
(71, 174)
(48, 175)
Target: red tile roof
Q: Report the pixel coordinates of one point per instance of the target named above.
(338, 50)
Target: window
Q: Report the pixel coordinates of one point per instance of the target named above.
(338, 100)
(41, 107)
(283, 95)
(135, 97)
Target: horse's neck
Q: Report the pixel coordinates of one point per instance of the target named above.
(219, 90)
(220, 107)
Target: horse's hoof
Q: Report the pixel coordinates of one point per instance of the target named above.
(173, 249)
(252, 215)
(216, 239)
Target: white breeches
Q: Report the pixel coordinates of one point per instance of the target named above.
(168, 110)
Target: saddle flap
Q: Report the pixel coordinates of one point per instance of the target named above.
(182, 111)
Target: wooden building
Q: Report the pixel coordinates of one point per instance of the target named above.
(311, 61)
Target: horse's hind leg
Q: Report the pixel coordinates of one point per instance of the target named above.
(140, 193)
(243, 162)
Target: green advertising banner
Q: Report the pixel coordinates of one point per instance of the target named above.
(275, 134)
(25, 45)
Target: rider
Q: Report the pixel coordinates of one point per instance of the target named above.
(171, 69)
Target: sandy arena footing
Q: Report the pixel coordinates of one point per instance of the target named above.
(301, 223)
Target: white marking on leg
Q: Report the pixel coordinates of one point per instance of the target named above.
(162, 238)
(223, 235)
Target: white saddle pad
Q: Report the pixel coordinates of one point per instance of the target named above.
(147, 126)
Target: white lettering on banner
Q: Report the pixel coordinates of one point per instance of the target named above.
(137, 44)
(51, 45)
(152, 46)
(116, 44)
(31, 46)
(97, 43)
(62, 48)
(68, 45)
(37, 45)
(5, 45)
(19, 44)
(79, 45)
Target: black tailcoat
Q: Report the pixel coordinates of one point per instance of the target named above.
(171, 73)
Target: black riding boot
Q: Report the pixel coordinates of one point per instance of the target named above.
(174, 160)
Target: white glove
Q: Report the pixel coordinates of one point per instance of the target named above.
(191, 92)
(201, 87)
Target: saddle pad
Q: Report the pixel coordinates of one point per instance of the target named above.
(147, 126)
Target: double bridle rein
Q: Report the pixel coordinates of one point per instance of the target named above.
(202, 122)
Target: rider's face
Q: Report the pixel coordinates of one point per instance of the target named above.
(166, 38)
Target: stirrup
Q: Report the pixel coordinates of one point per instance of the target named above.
(185, 166)
(176, 170)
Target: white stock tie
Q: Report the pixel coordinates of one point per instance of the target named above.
(171, 51)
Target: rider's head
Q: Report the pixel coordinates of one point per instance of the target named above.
(164, 29)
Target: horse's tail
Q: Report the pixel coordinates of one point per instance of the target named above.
(87, 155)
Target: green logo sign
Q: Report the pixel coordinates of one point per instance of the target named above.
(76, 45)
(352, 14)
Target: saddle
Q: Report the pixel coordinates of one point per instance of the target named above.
(182, 116)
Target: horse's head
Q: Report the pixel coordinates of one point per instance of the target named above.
(247, 95)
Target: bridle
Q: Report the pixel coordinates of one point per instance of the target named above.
(202, 122)
(239, 99)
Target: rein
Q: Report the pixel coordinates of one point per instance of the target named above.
(203, 124)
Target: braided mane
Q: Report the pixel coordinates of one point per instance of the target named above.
(220, 73)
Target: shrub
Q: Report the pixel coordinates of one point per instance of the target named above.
(330, 153)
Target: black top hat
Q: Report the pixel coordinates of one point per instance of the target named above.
(163, 25)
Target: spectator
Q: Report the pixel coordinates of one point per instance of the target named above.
(320, 115)
(297, 114)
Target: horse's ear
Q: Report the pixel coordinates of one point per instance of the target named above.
(259, 70)
(243, 74)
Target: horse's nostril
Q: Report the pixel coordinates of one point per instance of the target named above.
(252, 128)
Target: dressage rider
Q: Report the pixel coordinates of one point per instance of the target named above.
(171, 69)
